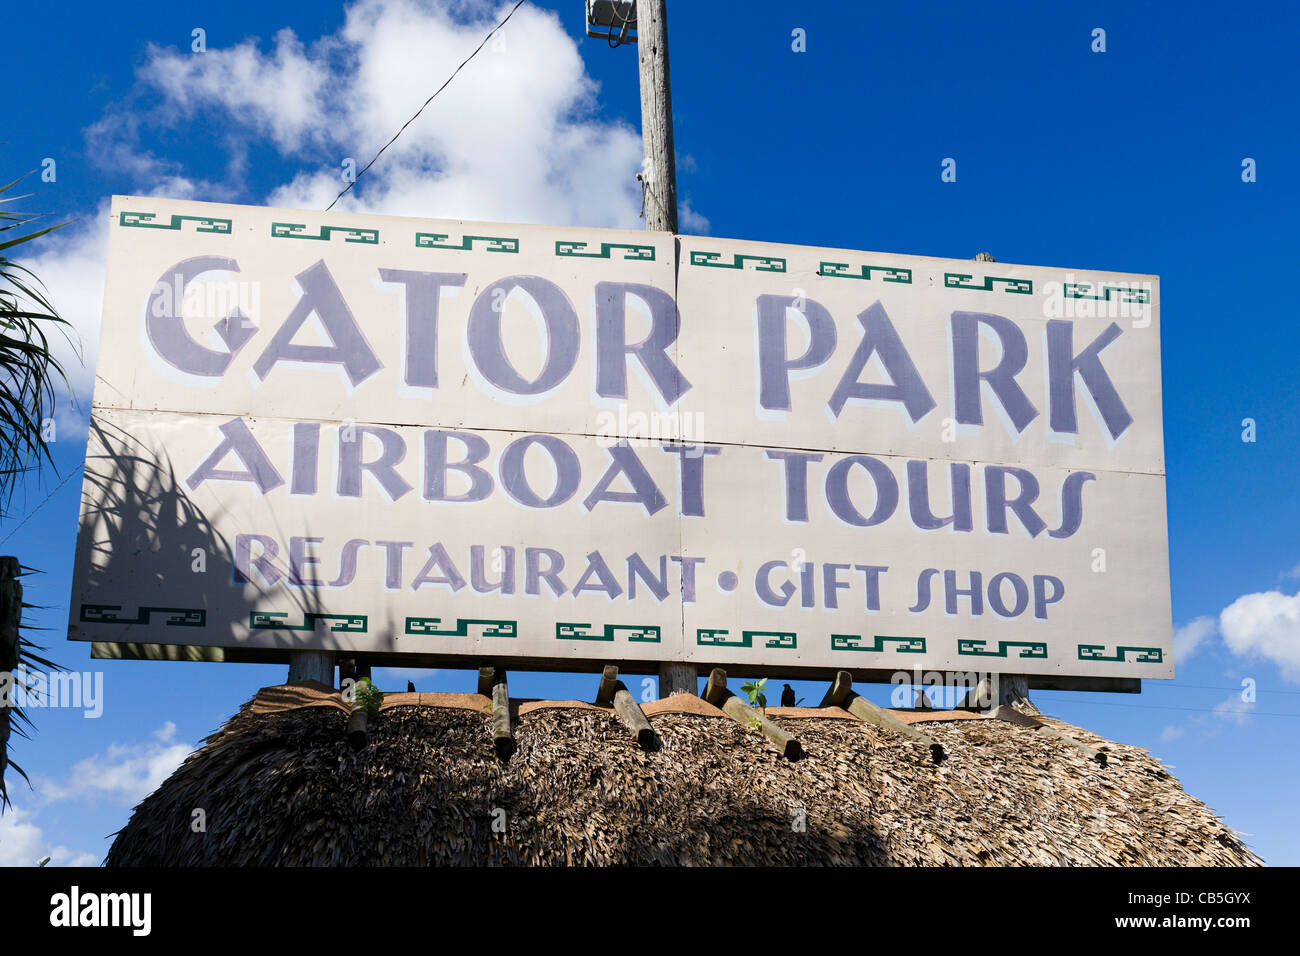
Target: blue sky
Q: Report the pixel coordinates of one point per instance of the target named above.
(1127, 160)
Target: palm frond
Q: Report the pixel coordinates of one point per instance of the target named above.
(29, 374)
(31, 378)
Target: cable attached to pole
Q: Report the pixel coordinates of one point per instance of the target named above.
(626, 22)
(426, 103)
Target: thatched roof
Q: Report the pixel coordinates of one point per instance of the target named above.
(280, 786)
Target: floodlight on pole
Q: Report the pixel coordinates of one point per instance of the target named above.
(612, 20)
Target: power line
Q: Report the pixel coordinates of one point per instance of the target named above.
(426, 103)
(1164, 686)
(14, 530)
(1200, 710)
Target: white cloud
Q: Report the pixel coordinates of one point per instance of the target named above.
(1265, 626)
(1189, 637)
(22, 843)
(166, 733)
(124, 773)
(278, 94)
(513, 138)
(1234, 709)
(72, 266)
(121, 775)
(516, 137)
(690, 221)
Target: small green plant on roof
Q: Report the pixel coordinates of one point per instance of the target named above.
(756, 690)
(368, 696)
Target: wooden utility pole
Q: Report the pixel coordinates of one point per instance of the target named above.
(613, 22)
(659, 171)
(659, 183)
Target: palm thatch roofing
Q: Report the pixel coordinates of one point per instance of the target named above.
(279, 786)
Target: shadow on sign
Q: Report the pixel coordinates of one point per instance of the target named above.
(158, 576)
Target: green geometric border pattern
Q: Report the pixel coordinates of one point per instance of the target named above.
(840, 270)
(176, 616)
(849, 642)
(1074, 290)
(1142, 655)
(275, 621)
(1028, 649)
(717, 637)
(294, 230)
(631, 250)
(433, 240)
(428, 626)
(144, 220)
(635, 633)
(738, 260)
(959, 280)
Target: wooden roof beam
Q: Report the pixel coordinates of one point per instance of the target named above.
(1012, 716)
(358, 732)
(358, 729)
(613, 692)
(982, 698)
(492, 683)
(841, 694)
(716, 693)
(978, 697)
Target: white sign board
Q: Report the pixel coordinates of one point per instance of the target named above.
(503, 442)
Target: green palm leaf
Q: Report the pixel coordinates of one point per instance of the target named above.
(29, 375)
